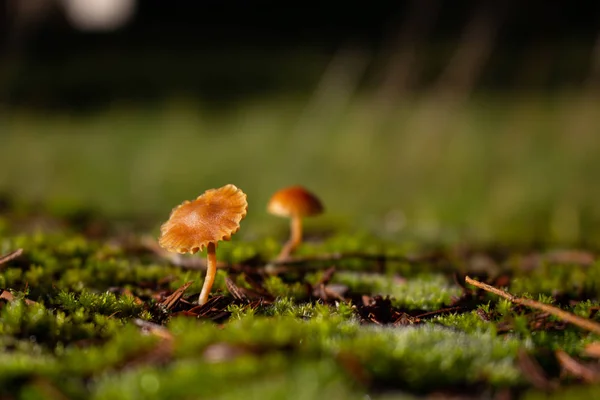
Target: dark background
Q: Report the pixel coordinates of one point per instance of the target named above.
(224, 50)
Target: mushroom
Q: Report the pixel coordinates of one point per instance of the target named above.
(213, 216)
(294, 202)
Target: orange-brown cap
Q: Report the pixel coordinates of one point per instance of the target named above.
(294, 200)
(213, 216)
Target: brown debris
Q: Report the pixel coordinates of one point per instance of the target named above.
(174, 298)
(222, 352)
(541, 321)
(592, 350)
(153, 329)
(47, 389)
(256, 282)
(129, 293)
(161, 353)
(587, 372)
(528, 262)
(215, 309)
(246, 295)
(10, 256)
(485, 316)
(236, 291)
(504, 394)
(533, 371)
(327, 276)
(328, 292)
(8, 296)
(502, 281)
(577, 257)
(379, 310)
(353, 367)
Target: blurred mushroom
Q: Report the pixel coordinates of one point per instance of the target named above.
(294, 202)
(194, 225)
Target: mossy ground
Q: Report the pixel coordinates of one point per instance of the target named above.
(352, 316)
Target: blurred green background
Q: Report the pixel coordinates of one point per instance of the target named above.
(435, 120)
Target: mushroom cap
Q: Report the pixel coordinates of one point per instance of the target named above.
(294, 200)
(213, 216)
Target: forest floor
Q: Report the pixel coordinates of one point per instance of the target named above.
(86, 314)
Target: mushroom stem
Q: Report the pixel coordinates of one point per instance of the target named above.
(295, 237)
(211, 272)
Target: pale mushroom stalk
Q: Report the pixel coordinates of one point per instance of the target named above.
(295, 237)
(211, 272)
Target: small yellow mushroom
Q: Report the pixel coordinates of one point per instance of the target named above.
(194, 225)
(294, 202)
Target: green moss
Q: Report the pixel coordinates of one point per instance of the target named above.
(415, 356)
(272, 376)
(78, 338)
(424, 292)
(553, 278)
(278, 288)
(571, 393)
(467, 322)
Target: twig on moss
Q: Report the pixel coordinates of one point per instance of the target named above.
(584, 323)
(10, 256)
